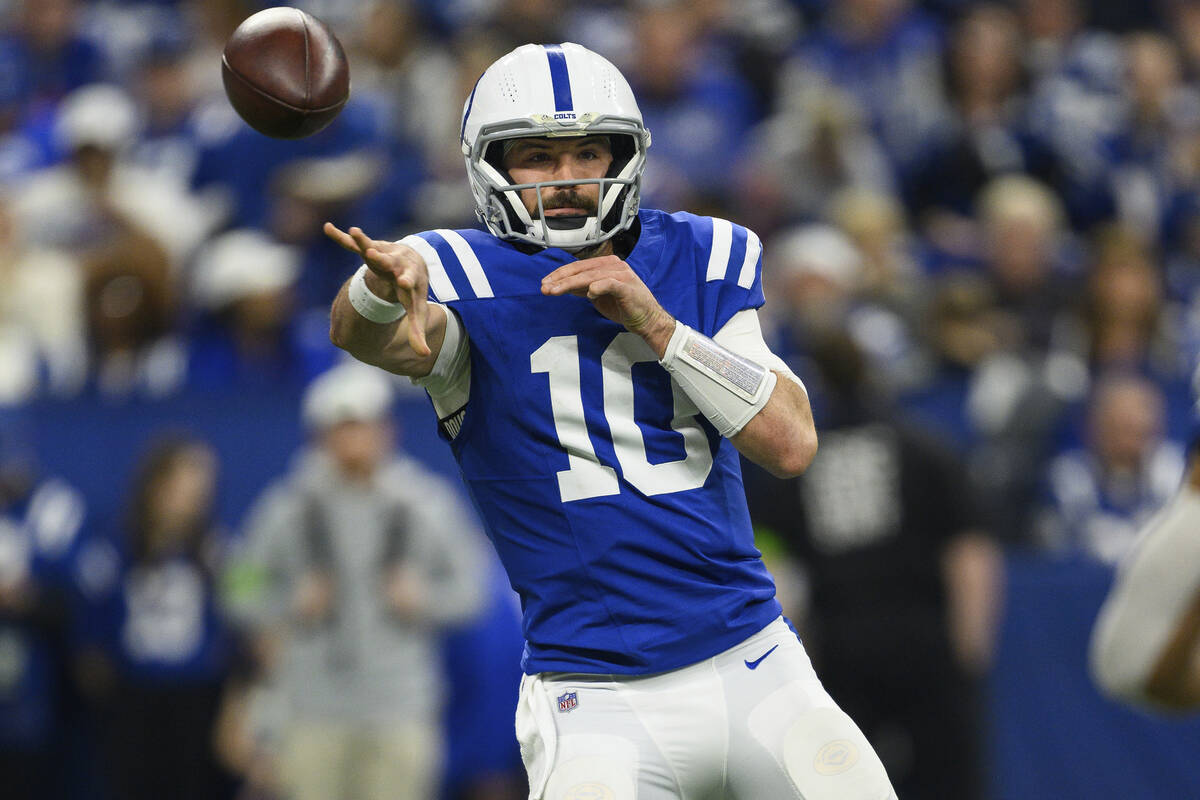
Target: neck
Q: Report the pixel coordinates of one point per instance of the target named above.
(605, 248)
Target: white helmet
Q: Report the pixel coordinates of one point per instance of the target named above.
(553, 90)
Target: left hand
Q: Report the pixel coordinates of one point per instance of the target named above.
(618, 293)
(405, 591)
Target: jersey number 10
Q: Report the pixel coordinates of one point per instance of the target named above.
(587, 476)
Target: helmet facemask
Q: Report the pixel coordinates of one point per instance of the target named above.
(498, 199)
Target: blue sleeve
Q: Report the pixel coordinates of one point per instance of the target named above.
(729, 260)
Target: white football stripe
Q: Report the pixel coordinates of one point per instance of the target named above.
(468, 259)
(718, 257)
(753, 249)
(439, 281)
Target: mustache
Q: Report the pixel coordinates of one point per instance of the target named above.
(569, 198)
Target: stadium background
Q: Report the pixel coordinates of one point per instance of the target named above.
(997, 202)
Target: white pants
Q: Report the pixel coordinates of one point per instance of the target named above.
(751, 723)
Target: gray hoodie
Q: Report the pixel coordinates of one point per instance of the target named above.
(362, 664)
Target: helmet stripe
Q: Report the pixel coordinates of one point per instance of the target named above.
(561, 80)
(462, 135)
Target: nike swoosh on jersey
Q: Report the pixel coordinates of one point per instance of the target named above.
(754, 664)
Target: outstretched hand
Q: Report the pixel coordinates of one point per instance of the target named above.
(618, 293)
(397, 273)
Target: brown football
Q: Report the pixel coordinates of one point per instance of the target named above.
(285, 73)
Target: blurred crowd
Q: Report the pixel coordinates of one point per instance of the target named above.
(981, 227)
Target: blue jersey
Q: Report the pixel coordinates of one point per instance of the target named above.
(616, 508)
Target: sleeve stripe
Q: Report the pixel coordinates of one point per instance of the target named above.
(718, 256)
(469, 261)
(439, 282)
(753, 251)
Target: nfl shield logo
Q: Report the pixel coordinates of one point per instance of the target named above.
(568, 701)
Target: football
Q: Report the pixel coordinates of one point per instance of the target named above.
(285, 73)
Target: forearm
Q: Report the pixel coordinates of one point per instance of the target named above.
(1174, 679)
(781, 437)
(744, 389)
(384, 345)
(1147, 626)
(973, 571)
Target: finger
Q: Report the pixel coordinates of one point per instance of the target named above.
(604, 286)
(413, 293)
(573, 283)
(382, 264)
(363, 241)
(575, 267)
(418, 315)
(341, 237)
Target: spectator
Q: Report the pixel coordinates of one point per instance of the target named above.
(797, 161)
(46, 58)
(988, 133)
(892, 279)
(155, 652)
(1123, 323)
(41, 525)
(238, 165)
(168, 98)
(885, 55)
(1098, 495)
(1022, 240)
(984, 401)
(129, 304)
(98, 195)
(887, 507)
(822, 277)
(247, 333)
(816, 271)
(1183, 19)
(42, 330)
(1076, 76)
(362, 559)
(1160, 115)
(1124, 310)
(694, 100)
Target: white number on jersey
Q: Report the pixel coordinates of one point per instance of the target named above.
(586, 476)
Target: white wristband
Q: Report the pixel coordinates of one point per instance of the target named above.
(370, 305)
(727, 388)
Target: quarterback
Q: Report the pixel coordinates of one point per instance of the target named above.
(596, 368)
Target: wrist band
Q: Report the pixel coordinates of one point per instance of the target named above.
(370, 305)
(727, 388)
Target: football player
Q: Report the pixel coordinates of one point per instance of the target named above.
(596, 369)
(1145, 646)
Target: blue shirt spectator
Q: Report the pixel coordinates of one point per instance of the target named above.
(885, 55)
(1097, 496)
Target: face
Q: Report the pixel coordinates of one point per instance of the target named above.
(184, 493)
(987, 51)
(1020, 249)
(540, 159)
(358, 446)
(1126, 419)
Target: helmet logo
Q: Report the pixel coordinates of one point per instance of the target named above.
(564, 115)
